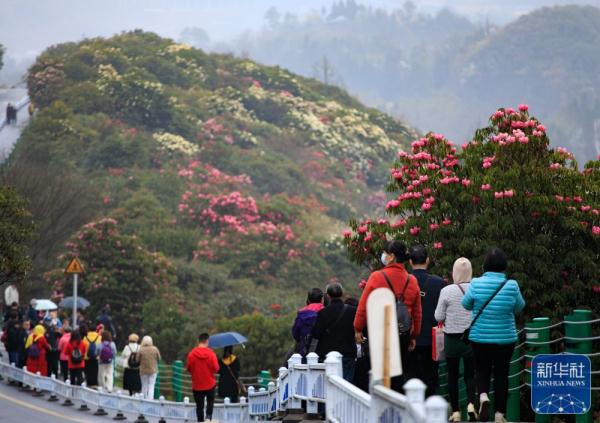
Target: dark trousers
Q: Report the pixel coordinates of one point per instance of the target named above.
(64, 369)
(76, 376)
(493, 358)
(422, 366)
(14, 357)
(210, 401)
(453, 366)
(52, 360)
(91, 372)
(399, 381)
(348, 366)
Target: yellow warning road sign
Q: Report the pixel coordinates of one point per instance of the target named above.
(74, 266)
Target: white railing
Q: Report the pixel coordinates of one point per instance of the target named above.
(312, 382)
(98, 400)
(316, 383)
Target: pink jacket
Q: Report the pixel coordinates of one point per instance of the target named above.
(62, 344)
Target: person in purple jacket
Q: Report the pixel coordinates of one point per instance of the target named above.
(305, 320)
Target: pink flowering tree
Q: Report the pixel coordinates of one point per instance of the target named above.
(119, 272)
(504, 188)
(233, 223)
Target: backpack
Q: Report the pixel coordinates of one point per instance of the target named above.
(92, 349)
(304, 322)
(34, 351)
(133, 361)
(402, 314)
(76, 355)
(106, 353)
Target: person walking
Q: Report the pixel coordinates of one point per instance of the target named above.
(394, 276)
(149, 357)
(494, 300)
(93, 341)
(456, 320)
(23, 336)
(334, 329)
(37, 348)
(202, 364)
(131, 365)
(108, 352)
(421, 363)
(76, 351)
(229, 373)
(106, 321)
(52, 336)
(13, 338)
(65, 339)
(305, 321)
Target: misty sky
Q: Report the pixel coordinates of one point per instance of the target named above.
(28, 26)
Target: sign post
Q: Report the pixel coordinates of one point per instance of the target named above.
(384, 340)
(561, 384)
(74, 268)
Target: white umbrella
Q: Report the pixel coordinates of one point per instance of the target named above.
(45, 305)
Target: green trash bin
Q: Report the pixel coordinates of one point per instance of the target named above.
(263, 378)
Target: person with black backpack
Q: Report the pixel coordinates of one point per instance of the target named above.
(76, 350)
(131, 365)
(334, 330)
(408, 302)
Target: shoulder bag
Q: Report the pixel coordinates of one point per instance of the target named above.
(466, 333)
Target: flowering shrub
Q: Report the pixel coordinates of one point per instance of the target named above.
(175, 143)
(505, 188)
(216, 203)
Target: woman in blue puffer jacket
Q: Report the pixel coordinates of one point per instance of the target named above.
(494, 334)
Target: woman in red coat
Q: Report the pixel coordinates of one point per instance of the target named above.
(36, 347)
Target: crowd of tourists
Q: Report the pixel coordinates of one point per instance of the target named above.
(46, 345)
(477, 315)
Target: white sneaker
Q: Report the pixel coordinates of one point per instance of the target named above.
(484, 407)
(471, 412)
(499, 418)
(455, 417)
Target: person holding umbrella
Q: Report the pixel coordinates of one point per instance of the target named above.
(229, 373)
(202, 364)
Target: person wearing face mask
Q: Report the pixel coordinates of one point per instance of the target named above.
(405, 287)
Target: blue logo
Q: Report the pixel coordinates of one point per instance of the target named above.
(561, 384)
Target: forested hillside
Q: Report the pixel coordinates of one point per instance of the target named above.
(443, 71)
(194, 187)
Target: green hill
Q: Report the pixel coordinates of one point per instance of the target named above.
(202, 186)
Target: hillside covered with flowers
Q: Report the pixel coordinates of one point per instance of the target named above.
(201, 187)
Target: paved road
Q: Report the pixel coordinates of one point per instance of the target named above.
(17, 406)
(10, 134)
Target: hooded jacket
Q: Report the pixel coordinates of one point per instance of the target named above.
(202, 364)
(303, 325)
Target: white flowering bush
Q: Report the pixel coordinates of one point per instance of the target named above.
(175, 143)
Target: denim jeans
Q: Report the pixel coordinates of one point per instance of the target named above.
(348, 366)
(13, 357)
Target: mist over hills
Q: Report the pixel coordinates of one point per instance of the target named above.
(445, 73)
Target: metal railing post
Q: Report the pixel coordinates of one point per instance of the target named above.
(580, 330)
(177, 368)
(533, 337)
(513, 406)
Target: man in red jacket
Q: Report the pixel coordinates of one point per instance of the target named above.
(202, 364)
(404, 286)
